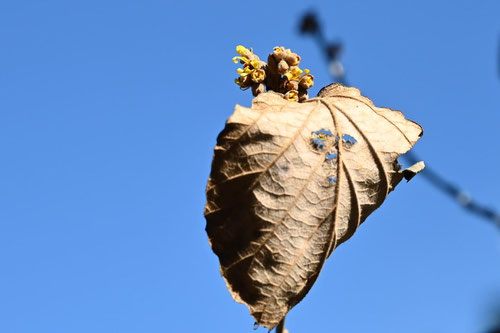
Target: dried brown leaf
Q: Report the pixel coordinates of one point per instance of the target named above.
(290, 182)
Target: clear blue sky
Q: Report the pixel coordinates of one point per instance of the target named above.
(109, 112)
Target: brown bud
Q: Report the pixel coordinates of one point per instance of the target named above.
(293, 59)
(278, 53)
(251, 56)
(244, 82)
(307, 81)
(303, 95)
(283, 67)
(258, 88)
(282, 85)
(291, 85)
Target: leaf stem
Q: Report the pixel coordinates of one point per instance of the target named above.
(281, 326)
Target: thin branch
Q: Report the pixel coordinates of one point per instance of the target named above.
(459, 196)
(309, 25)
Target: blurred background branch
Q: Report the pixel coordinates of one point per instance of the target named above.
(311, 26)
(495, 321)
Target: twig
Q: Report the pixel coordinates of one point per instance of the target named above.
(460, 196)
(310, 25)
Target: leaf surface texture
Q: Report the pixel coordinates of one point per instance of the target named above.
(290, 182)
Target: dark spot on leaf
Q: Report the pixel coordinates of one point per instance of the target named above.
(268, 259)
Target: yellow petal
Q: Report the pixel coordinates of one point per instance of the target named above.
(297, 71)
(278, 49)
(240, 49)
(242, 59)
(255, 63)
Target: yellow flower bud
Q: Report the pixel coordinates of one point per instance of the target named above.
(307, 81)
(294, 73)
(258, 75)
(281, 73)
(292, 95)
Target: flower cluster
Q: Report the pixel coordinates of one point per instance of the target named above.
(252, 75)
(293, 81)
(281, 73)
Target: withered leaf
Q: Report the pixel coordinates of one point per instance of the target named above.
(290, 182)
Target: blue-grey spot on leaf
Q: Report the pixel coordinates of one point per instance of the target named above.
(319, 143)
(346, 138)
(331, 156)
(324, 132)
(320, 137)
(332, 180)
